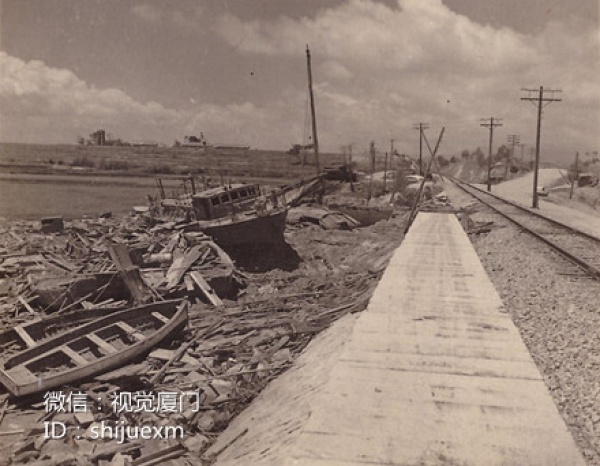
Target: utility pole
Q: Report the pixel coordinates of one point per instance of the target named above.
(513, 140)
(385, 172)
(372, 154)
(421, 127)
(494, 122)
(386, 164)
(312, 112)
(576, 175)
(350, 166)
(540, 101)
(522, 146)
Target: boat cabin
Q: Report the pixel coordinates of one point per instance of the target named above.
(224, 201)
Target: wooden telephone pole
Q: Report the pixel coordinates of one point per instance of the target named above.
(372, 154)
(385, 166)
(313, 118)
(540, 101)
(575, 175)
(421, 127)
(494, 122)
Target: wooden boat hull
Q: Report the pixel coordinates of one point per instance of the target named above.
(267, 228)
(93, 348)
(31, 333)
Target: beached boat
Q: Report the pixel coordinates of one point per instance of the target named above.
(96, 347)
(239, 214)
(33, 332)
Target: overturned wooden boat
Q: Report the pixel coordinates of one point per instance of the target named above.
(96, 347)
(33, 332)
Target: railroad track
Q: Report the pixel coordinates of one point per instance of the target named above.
(579, 247)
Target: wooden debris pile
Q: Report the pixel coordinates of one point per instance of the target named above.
(224, 361)
(326, 218)
(106, 262)
(470, 224)
(228, 353)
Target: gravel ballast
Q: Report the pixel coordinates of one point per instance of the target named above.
(557, 311)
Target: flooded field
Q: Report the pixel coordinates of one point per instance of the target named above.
(31, 196)
(34, 196)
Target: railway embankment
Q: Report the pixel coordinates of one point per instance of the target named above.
(557, 311)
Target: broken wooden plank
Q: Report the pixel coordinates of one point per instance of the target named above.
(180, 352)
(105, 452)
(161, 456)
(205, 288)
(3, 412)
(189, 283)
(129, 272)
(25, 336)
(60, 262)
(180, 266)
(130, 370)
(120, 256)
(25, 304)
(73, 304)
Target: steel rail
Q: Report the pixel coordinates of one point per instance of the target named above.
(591, 270)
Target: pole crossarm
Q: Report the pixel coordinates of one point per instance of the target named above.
(495, 122)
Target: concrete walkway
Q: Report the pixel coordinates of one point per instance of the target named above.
(435, 372)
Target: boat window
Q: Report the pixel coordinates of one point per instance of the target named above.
(243, 192)
(214, 201)
(224, 198)
(251, 190)
(235, 195)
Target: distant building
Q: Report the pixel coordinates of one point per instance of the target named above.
(97, 138)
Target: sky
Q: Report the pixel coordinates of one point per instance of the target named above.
(235, 70)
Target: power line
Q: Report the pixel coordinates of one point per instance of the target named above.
(540, 101)
(494, 123)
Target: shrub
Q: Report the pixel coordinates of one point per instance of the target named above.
(82, 162)
(114, 165)
(162, 169)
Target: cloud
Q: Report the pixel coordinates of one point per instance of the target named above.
(422, 61)
(335, 70)
(377, 69)
(43, 104)
(40, 103)
(191, 19)
(147, 13)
